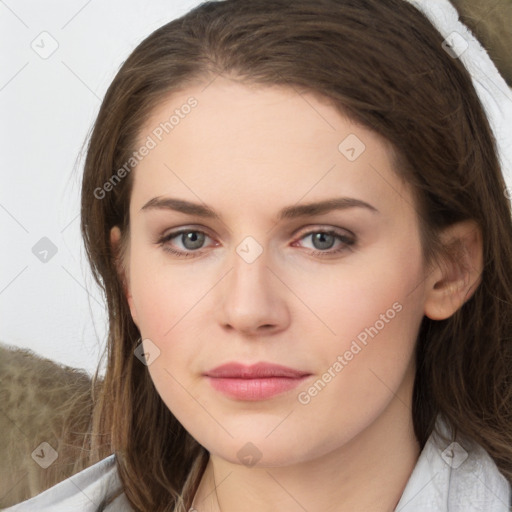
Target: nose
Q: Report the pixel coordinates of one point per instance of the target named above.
(252, 299)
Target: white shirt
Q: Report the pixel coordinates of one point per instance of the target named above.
(82, 492)
(453, 478)
(445, 479)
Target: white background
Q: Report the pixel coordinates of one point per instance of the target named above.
(47, 107)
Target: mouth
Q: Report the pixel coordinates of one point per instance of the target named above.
(260, 381)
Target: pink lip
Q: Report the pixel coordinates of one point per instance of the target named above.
(256, 382)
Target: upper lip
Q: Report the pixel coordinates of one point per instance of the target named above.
(255, 371)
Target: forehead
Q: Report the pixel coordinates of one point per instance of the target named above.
(235, 144)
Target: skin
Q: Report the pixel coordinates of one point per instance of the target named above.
(247, 152)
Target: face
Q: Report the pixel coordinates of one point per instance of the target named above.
(334, 294)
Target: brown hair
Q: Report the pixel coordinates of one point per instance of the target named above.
(381, 63)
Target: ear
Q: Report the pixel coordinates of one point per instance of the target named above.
(115, 239)
(450, 285)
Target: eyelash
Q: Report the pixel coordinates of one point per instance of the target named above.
(348, 243)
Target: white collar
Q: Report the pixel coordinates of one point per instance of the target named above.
(472, 484)
(455, 477)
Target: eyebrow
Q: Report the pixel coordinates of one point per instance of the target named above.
(289, 212)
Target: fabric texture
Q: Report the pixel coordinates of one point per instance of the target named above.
(452, 477)
(455, 477)
(82, 492)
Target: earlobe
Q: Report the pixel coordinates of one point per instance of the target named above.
(453, 282)
(115, 239)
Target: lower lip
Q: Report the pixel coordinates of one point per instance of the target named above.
(255, 389)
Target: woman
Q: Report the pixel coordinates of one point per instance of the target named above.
(298, 216)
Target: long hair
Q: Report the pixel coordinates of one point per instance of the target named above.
(381, 63)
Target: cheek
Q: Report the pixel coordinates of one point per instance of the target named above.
(167, 303)
(373, 312)
(370, 296)
(170, 303)
(362, 368)
(162, 295)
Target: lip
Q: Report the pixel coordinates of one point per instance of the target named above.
(259, 381)
(255, 371)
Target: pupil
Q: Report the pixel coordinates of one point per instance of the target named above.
(195, 239)
(320, 238)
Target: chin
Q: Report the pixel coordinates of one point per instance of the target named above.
(260, 451)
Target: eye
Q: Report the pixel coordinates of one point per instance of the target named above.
(324, 240)
(192, 241)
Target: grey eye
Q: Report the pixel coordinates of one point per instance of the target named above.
(192, 239)
(323, 240)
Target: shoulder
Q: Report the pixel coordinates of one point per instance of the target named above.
(456, 477)
(82, 492)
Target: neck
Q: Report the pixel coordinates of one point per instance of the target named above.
(369, 473)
